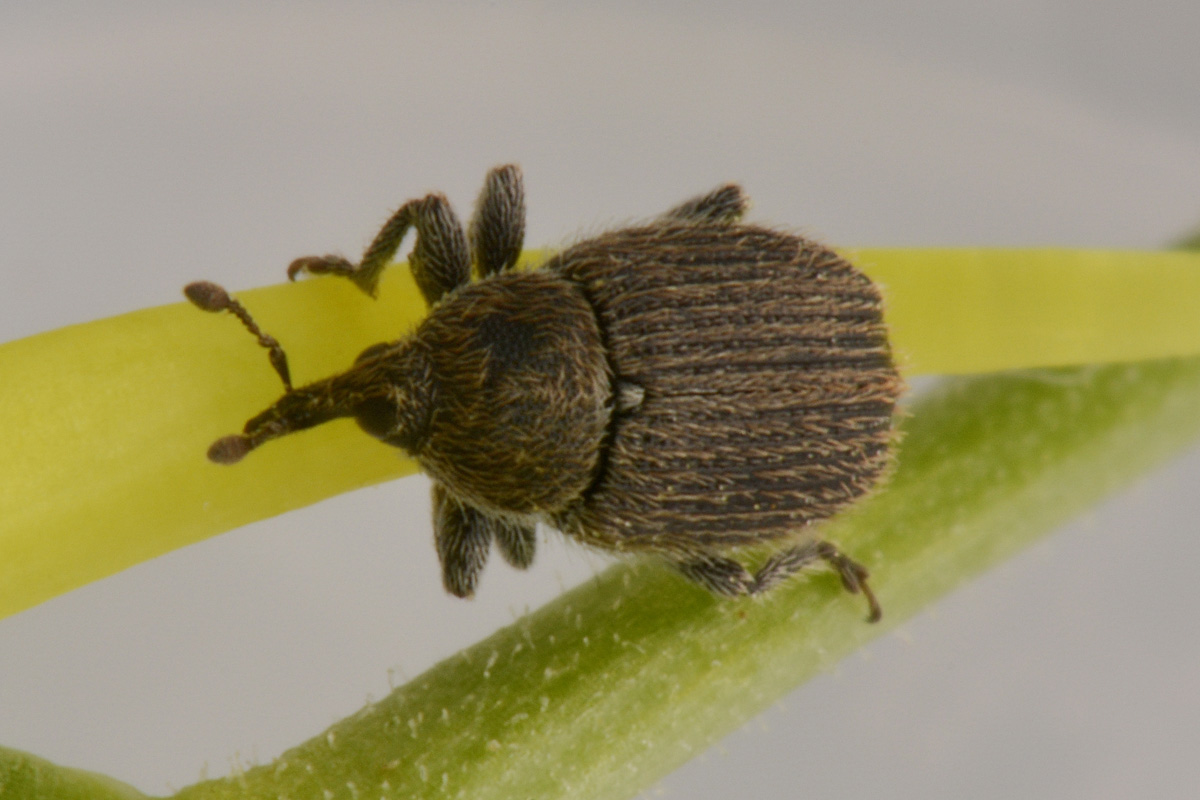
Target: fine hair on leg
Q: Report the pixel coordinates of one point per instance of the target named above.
(718, 574)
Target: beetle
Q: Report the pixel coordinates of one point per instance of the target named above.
(688, 387)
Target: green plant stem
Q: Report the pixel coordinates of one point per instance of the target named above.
(26, 776)
(608, 688)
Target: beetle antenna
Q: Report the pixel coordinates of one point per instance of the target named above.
(211, 297)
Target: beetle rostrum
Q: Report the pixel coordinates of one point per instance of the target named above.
(688, 387)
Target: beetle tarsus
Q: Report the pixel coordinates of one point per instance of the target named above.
(319, 265)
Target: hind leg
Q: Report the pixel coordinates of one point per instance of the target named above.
(727, 577)
(725, 204)
(784, 564)
(718, 574)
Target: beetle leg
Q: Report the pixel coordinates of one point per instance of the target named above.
(517, 543)
(718, 574)
(498, 225)
(725, 204)
(463, 537)
(439, 260)
(788, 562)
(727, 577)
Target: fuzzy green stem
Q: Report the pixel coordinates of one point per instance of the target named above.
(27, 777)
(610, 687)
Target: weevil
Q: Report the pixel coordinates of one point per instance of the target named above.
(688, 387)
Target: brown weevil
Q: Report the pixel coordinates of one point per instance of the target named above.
(687, 387)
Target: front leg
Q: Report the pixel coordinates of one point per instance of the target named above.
(439, 261)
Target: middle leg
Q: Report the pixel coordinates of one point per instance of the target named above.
(498, 225)
(516, 542)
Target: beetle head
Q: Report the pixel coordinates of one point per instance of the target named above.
(387, 391)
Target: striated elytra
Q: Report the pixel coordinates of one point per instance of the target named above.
(686, 387)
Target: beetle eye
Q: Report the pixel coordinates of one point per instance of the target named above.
(373, 350)
(376, 415)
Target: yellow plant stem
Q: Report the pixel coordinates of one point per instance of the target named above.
(967, 311)
(108, 422)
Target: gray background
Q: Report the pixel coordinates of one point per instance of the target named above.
(146, 144)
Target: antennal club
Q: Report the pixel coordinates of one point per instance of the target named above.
(211, 297)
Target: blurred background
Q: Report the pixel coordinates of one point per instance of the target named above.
(147, 144)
